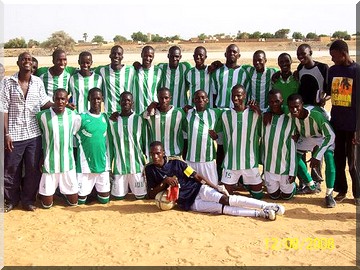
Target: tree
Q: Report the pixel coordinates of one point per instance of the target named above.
(33, 43)
(157, 38)
(255, 35)
(311, 35)
(138, 36)
(15, 43)
(202, 36)
(347, 37)
(267, 35)
(119, 39)
(242, 35)
(85, 36)
(297, 35)
(98, 39)
(59, 39)
(340, 34)
(282, 33)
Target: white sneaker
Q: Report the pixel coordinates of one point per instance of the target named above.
(278, 208)
(267, 214)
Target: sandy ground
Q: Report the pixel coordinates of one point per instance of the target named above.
(136, 233)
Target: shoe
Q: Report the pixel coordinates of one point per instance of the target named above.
(340, 197)
(8, 207)
(308, 190)
(29, 207)
(278, 208)
(268, 214)
(357, 201)
(330, 202)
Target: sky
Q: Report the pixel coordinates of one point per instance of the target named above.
(186, 18)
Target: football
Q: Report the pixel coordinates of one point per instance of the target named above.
(162, 202)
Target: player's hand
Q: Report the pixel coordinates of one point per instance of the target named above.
(151, 108)
(314, 163)
(171, 181)
(187, 108)
(275, 76)
(71, 106)
(213, 134)
(114, 116)
(291, 179)
(254, 106)
(222, 189)
(296, 75)
(295, 137)
(267, 117)
(8, 144)
(214, 66)
(137, 65)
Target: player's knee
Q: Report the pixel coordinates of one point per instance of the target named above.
(287, 196)
(275, 195)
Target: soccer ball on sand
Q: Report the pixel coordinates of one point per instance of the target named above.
(162, 201)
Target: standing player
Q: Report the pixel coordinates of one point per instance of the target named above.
(58, 75)
(259, 79)
(240, 128)
(58, 125)
(146, 81)
(81, 82)
(117, 78)
(201, 137)
(128, 134)
(314, 130)
(166, 123)
(279, 150)
(92, 160)
(174, 77)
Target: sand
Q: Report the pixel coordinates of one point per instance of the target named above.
(136, 233)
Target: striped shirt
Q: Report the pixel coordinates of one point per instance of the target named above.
(114, 83)
(22, 111)
(79, 87)
(259, 85)
(222, 82)
(201, 147)
(128, 144)
(175, 81)
(316, 125)
(241, 135)
(58, 131)
(145, 85)
(279, 148)
(168, 128)
(199, 79)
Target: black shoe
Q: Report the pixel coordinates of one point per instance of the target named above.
(29, 207)
(330, 202)
(308, 190)
(340, 197)
(8, 207)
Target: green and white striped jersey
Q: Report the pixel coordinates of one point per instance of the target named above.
(259, 85)
(52, 83)
(175, 81)
(79, 87)
(199, 79)
(316, 125)
(128, 144)
(57, 141)
(92, 155)
(145, 86)
(168, 128)
(241, 138)
(201, 147)
(223, 80)
(114, 83)
(279, 148)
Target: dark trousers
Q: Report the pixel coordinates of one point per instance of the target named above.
(27, 153)
(345, 149)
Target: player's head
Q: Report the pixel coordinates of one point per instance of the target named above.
(157, 153)
(238, 95)
(284, 62)
(275, 101)
(126, 101)
(295, 104)
(164, 98)
(59, 59)
(95, 98)
(85, 60)
(200, 100)
(60, 99)
(232, 53)
(200, 55)
(24, 62)
(339, 52)
(147, 56)
(304, 54)
(35, 65)
(259, 60)
(116, 55)
(174, 56)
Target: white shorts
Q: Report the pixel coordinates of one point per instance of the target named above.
(250, 176)
(206, 169)
(87, 181)
(121, 185)
(308, 143)
(207, 201)
(274, 182)
(66, 182)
